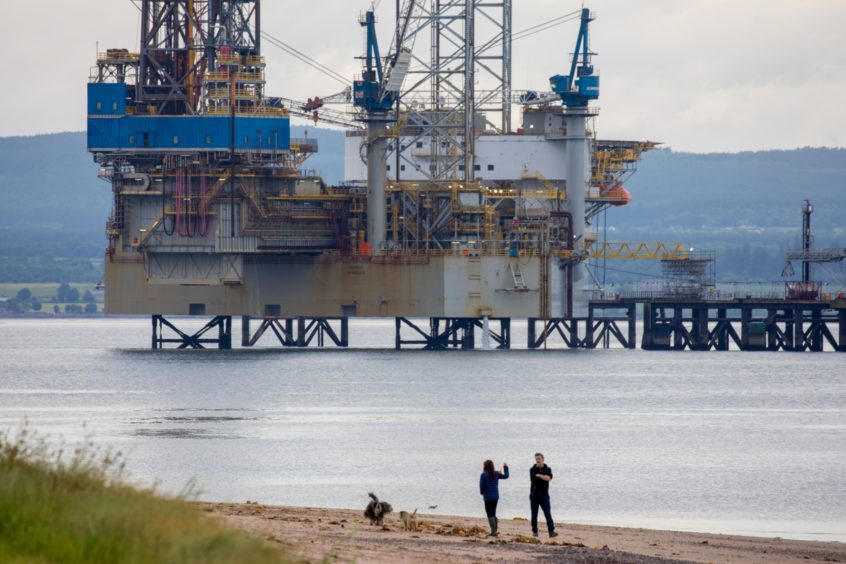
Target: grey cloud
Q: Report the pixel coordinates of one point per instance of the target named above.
(701, 75)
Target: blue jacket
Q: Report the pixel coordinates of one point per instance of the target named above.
(489, 488)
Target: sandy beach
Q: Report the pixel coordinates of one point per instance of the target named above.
(344, 535)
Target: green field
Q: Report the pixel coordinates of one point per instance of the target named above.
(77, 507)
(44, 293)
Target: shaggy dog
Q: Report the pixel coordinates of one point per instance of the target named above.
(377, 510)
(409, 520)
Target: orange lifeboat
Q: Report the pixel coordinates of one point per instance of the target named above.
(619, 196)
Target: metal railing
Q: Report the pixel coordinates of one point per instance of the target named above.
(118, 57)
(228, 59)
(225, 93)
(251, 110)
(216, 76)
(758, 291)
(249, 77)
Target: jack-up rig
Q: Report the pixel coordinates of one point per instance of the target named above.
(448, 212)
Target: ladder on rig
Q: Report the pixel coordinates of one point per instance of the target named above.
(517, 276)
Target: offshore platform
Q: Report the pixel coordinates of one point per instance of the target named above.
(449, 211)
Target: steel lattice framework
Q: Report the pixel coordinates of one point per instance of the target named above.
(172, 55)
(236, 23)
(469, 46)
(179, 39)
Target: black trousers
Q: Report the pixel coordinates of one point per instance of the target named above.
(490, 507)
(542, 502)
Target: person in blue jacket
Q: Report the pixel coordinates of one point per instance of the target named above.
(489, 488)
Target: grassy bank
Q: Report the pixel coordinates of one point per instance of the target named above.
(77, 507)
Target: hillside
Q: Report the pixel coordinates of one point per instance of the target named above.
(746, 205)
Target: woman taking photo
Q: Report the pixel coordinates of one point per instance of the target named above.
(489, 488)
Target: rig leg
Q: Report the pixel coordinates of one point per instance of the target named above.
(505, 328)
(745, 322)
(452, 333)
(841, 330)
(678, 329)
(574, 340)
(224, 333)
(817, 330)
(198, 340)
(632, 315)
(648, 339)
(798, 329)
(699, 332)
(532, 332)
(773, 333)
(300, 331)
(589, 342)
(723, 324)
(245, 331)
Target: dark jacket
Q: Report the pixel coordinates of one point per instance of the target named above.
(540, 487)
(489, 487)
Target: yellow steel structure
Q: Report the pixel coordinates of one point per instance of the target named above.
(615, 160)
(453, 186)
(627, 250)
(250, 110)
(118, 56)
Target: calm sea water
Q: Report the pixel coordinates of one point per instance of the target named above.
(733, 442)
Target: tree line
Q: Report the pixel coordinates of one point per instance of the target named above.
(67, 299)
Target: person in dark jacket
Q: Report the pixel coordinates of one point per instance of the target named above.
(540, 475)
(489, 488)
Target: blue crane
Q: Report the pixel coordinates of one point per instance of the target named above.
(379, 87)
(368, 92)
(581, 85)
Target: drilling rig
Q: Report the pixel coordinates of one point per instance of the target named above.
(447, 211)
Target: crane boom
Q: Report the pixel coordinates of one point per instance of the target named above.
(581, 85)
(381, 81)
(399, 55)
(297, 108)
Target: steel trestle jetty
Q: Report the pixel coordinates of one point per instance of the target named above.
(668, 324)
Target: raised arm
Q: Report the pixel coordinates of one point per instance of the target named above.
(504, 475)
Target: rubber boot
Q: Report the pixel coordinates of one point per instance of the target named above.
(492, 521)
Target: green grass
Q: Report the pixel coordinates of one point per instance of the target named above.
(77, 507)
(43, 292)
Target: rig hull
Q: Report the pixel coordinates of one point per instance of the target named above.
(304, 286)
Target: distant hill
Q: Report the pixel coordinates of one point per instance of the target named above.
(747, 205)
(761, 189)
(54, 205)
(50, 181)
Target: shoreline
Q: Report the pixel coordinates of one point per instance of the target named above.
(345, 535)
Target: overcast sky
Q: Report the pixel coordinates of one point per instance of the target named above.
(698, 75)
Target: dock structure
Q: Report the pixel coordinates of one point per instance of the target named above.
(748, 325)
(667, 325)
(297, 332)
(727, 324)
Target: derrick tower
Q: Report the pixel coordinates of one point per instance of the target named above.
(463, 85)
